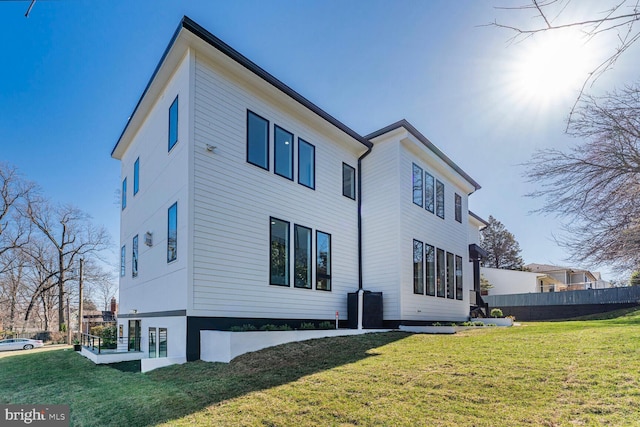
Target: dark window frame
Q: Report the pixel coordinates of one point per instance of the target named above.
(323, 276)
(123, 261)
(459, 281)
(429, 192)
(441, 287)
(416, 173)
(124, 193)
(134, 256)
(430, 270)
(312, 184)
(451, 276)
(267, 147)
(173, 125)
(296, 253)
(286, 252)
(172, 256)
(163, 350)
(440, 211)
(136, 176)
(348, 190)
(458, 207)
(277, 128)
(152, 345)
(418, 267)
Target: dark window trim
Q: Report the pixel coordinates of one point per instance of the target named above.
(249, 112)
(426, 272)
(458, 207)
(155, 342)
(440, 200)
(123, 199)
(172, 144)
(422, 260)
(414, 170)
(310, 260)
(271, 219)
(123, 261)
(459, 278)
(429, 205)
(313, 147)
(136, 176)
(441, 273)
(275, 147)
(451, 276)
(355, 184)
(169, 259)
(324, 276)
(134, 256)
(166, 342)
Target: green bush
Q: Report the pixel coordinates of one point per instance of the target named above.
(327, 325)
(496, 312)
(309, 325)
(467, 323)
(437, 324)
(478, 323)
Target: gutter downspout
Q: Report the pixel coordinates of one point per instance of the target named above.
(360, 287)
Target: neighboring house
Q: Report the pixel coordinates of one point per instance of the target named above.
(541, 278)
(243, 202)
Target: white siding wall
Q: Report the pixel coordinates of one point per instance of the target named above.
(427, 227)
(163, 181)
(381, 225)
(233, 201)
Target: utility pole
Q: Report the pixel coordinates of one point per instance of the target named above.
(80, 303)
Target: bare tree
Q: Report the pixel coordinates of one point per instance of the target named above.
(618, 17)
(71, 235)
(595, 185)
(13, 231)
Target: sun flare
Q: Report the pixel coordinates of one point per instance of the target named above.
(551, 67)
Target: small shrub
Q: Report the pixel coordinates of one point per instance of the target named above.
(491, 324)
(236, 329)
(478, 323)
(309, 325)
(467, 323)
(453, 324)
(437, 324)
(496, 312)
(326, 325)
(284, 328)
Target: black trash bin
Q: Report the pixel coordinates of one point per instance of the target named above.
(371, 310)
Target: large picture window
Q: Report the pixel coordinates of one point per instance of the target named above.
(429, 192)
(418, 267)
(430, 258)
(172, 233)
(450, 276)
(458, 205)
(134, 257)
(323, 266)
(440, 277)
(123, 260)
(303, 258)
(459, 285)
(152, 343)
(439, 199)
(417, 185)
(348, 181)
(306, 164)
(257, 140)
(283, 156)
(279, 252)
(173, 124)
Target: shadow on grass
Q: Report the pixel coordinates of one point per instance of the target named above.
(205, 383)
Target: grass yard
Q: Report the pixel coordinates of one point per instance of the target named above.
(581, 373)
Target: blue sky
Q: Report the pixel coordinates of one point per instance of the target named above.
(73, 71)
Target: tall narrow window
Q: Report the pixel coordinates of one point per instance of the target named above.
(152, 343)
(348, 181)
(450, 276)
(441, 277)
(323, 266)
(418, 267)
(257, 140)
(303, 259)
(134, 257)
(459, 286)
(439, 199)
(417, 185)
(172, 233)
(136, 176)
(428, 192)
(283, 156)
(124, 193)
(458, 204)
(431, 269)
(279, 252)
(173, 124)
(306, 164)
(162, 342)
(123, 260)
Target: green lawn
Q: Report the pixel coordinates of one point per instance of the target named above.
(580, 373)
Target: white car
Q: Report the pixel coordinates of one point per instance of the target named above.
(19, 344)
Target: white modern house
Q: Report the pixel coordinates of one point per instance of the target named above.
(243, 202)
